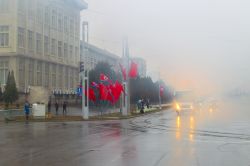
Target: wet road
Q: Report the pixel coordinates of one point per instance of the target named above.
(207, 137)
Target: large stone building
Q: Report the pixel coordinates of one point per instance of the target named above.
(40, 42)
(91, 55)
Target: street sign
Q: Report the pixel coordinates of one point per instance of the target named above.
(81, 67)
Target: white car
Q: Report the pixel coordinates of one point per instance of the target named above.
(179, 106)
(184, 100)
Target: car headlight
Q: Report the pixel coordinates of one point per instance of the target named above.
(178, 107)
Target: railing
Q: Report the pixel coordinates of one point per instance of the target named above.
(9, 115)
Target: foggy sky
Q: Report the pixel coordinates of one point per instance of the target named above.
(195, 44)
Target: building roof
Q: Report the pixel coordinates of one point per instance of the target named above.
(99, 50)
(80, 4)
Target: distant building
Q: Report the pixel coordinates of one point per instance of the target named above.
(142, 66)
(92, 55)
(40, 42)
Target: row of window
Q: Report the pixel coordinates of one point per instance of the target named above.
(51, 17)
(43, 44)
(47, 75)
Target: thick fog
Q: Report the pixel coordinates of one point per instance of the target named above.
(194, 44)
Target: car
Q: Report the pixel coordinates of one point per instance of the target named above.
(183, 100)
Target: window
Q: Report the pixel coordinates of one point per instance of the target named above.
(39, 74)
(76, 77)
(21, 5)
(4, 69)
(66, 78)
(60, 76)
(54, 18)
(53, 76)
(60, 49)
(21, 72)
(30, 40)
(39, 14)
(4, 6)
(66, 30)
(71, 78)
(77, 27)
(76, 53)
(31, 10)
(71, 51)
(46, 45)
(4, 36)
(65, 51)
(53, 46)
(46, 79)
(38, 43)
(71, 27)
(31, 72)
(60, 23)
(46, 16)
(21, 37)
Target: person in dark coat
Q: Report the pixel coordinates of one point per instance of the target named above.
(147, 103)
(142, 106)
(49, 106)
(64, 108)
(57, 107)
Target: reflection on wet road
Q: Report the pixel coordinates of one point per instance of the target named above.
(208, 136)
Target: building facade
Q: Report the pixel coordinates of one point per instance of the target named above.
(142, 66)
(92, 55)
(40, 42)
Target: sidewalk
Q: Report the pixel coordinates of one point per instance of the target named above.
(75, 111)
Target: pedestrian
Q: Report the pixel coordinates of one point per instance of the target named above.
(139, 104)
(142, 106)
(57, 107)
(49, 106)
(27, 110)
(147, 103)
(64, 108)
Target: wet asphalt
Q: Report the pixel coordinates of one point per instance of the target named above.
(207, 137)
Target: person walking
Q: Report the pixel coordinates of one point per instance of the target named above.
(49, 106)
(142, 106)
(57, 107)
(27, 110)
(64, 108)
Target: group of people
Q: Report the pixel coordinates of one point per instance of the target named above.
(141, 105)
(64, 107)
(27, 108)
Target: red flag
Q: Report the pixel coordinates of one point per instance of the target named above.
(133, 70)
(103, 92)
(123, 72)
(92, 96)
(103, 77)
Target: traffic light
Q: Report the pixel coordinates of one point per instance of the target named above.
(81, 66)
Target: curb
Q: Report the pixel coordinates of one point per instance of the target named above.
(79, 118)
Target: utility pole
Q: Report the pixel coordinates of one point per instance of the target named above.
(84, 74)
(126, 95)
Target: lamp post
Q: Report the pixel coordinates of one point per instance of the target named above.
(126, 95)
(84, 73)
